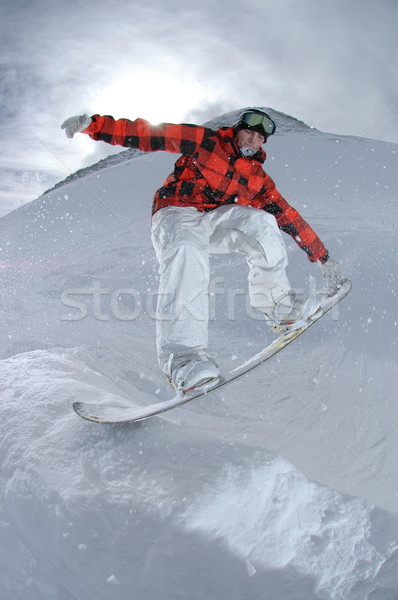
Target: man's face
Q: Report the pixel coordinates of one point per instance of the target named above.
(250, 139)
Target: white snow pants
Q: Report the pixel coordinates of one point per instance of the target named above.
(183, 238)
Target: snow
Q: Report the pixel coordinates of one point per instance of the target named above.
(283, 485)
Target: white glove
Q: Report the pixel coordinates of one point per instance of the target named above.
(75, 124)
(331, 273)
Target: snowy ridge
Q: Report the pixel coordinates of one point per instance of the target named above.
(104, 163)
(285, 484)
(284, 123)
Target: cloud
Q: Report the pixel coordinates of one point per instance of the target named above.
(329, 63)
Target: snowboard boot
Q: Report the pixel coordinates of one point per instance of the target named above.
(186, 374)
(290, 313)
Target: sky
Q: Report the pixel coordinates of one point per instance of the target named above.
(329, 63)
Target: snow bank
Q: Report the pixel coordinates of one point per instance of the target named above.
(273, 517)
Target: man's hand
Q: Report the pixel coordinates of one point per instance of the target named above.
(75, 124)
(331, 273)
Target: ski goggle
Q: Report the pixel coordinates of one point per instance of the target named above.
(261, 122)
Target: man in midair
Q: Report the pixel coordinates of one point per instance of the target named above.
(217, 200)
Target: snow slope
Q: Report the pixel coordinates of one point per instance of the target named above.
(283, 486)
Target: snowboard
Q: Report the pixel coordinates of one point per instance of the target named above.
(103, 413)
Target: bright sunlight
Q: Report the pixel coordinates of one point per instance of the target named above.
(157, 97)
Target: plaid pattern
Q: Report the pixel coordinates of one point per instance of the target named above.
(210, 173)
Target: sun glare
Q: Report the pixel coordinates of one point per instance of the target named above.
(157, 97)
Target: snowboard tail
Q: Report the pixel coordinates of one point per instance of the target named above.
(102, 413)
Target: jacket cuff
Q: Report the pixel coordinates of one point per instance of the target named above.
(323, 259)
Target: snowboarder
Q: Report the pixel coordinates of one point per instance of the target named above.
(217, 200)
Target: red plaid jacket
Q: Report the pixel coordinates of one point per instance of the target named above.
(210, 173)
